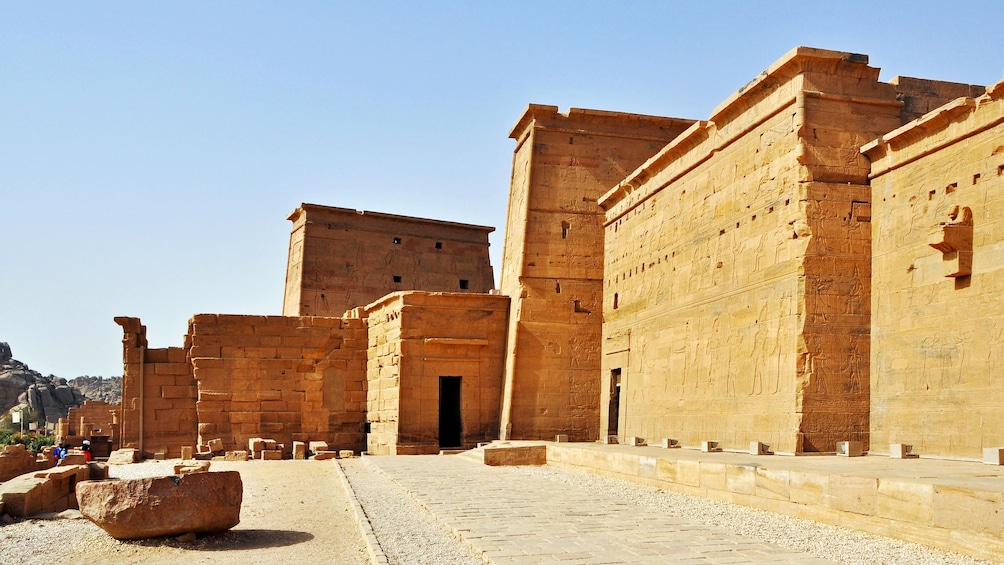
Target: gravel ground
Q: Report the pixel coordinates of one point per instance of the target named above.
(407, 533)
(293, 511)
(842, 545)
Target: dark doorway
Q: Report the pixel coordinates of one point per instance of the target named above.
(615, 401)
(450, 425)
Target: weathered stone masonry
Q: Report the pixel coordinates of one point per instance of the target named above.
(435, 371)
(937, 314)
(663, 278)
(737, 278)
(341, 259)
(553, 261)
(286, 378)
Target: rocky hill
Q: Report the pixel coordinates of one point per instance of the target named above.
(46, 398)
(105, 389)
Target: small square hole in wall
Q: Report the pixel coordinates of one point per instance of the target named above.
(464, 284)
(397, 241)
(439, 245)
(397, 278)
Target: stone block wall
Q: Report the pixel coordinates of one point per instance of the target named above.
(94, 417)
(53, 490)
(420, 342)
(341, 259)
(282, 378)
(553, 267)
(937, 333)
(737, 266)
(16, 460)
(158, 395)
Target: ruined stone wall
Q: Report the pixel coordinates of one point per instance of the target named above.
(16, 460)
(383, 376)
(737, 265)
(921, 95)
(282, 378)
(341, 259)
(95, 417)
(416, 338)
(937, 319)
(158, 395)
(553, 266)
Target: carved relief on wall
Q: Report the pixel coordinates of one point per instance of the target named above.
(954, 239)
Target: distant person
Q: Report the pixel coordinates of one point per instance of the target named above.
(59, 452)
(87, 450)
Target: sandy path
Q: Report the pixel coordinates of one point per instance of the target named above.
(293, 511)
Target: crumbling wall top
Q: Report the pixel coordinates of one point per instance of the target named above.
(758, 98)
(791, 63)
(917, 138)
(580, 120)
(332, 213)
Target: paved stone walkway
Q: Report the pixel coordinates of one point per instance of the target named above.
(511, 519)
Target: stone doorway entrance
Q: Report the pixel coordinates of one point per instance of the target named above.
(450, 423)
(615, 401)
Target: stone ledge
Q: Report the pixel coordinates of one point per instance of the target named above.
(951, 505)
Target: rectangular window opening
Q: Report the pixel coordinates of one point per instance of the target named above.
(397, 278)
(397, 241)
(464, 284)
(439, 245)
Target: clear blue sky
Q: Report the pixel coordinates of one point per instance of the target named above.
(149, 152)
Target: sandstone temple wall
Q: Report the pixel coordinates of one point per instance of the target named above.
(737, 266)
(93, 418)
(240, 377)
(283, 378)
(553, 261)
(938, 276)
(420, 345)
(158, 395)
(341, 259)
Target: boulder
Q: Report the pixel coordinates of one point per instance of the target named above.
(48, 398)
(163, 506)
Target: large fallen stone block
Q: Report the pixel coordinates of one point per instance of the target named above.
(163, 506)
(316, 446)
(123, 456)
(43, 491)
(216, 446)
(192, 467)
(525, 455)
